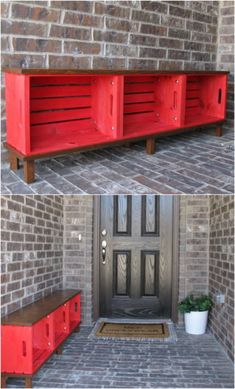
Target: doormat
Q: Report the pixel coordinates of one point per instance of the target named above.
(129, 329)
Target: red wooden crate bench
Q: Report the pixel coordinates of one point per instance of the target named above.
(51, 112)
(32, 334)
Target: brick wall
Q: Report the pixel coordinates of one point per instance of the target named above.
(221, 269)
(137, 34)
(225, 56)
(112, 34)
(32, 248)
(193, 245)
(78, 255)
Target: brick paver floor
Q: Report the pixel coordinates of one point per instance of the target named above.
(191, 362)
(195, 162)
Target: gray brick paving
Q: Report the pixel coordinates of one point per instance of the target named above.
(195, 162)
(191, 362)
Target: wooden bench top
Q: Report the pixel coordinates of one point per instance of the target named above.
(105, 71)
(30, 314)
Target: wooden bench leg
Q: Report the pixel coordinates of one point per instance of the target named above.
(28, 382)
(14, 161)
(218, 131)
(3, 381)
(77, 329)
(29, 171)
(59, 350)
(150, 146)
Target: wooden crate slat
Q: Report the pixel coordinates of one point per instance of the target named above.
(57, 116)
(141, 107)
(57, 128)
(57, 91)
(143, 117)
(192, 94)
(139, 88)
(139, 79)
(60, 80)
(192, 103)
(59, 103)
(139, 97)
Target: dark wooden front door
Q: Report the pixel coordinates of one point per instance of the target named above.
(136, 256)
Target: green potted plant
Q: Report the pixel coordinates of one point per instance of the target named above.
(195, 310)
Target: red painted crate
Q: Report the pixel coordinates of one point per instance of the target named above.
(61, 324)
(51, 112)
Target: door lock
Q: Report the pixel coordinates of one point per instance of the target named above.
(104, 244)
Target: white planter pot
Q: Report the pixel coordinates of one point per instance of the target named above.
(196, 322)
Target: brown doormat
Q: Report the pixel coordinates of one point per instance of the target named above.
(133, 330)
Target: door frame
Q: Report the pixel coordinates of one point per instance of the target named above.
(175, 257)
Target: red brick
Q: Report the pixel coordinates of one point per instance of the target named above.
(183, 13)
(20, 60)
(75, 48)
(227, 10)
(145, 64)
(69, 62)
(171, 21)
(154, 6)
(148, 17)
(5, 44)
(108, 63)
(110, 36)
(123, 25)
(143, 40)
(22, 11)
(112, 10)
(149, 52)
(171, 43)
(83, 6)
(195, 26)
(5, 9)
(179, 54)
(153, 30)
(83, 20)
(24, 28)
(121, 50)
(180, 34)
(37, 45)
(70, 32)
(201, 17)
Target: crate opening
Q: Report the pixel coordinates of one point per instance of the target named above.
(63, 113)
(205, 99)
(151, 104)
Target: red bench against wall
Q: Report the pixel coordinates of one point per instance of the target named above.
(33, 333)
(51, 112)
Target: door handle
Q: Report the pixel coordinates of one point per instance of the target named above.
(103, 245)
(103, 256)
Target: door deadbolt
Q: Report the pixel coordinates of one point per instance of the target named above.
(104, 232)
